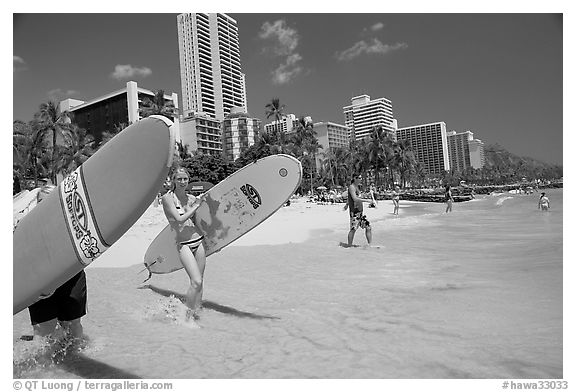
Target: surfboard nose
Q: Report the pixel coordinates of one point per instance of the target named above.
(134, 162)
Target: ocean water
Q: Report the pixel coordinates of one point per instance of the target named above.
(476, 293)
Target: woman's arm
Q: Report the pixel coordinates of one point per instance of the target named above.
(172, 213)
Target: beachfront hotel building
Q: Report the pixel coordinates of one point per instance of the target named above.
(210, 70)
(202, 133)
(122, 106)
(330, 137)
(459, 149)
(477, 159)
(239, 131)
(288, 124)
(464, 151)
(430, 145)
(363, 114)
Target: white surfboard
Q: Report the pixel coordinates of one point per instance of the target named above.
(90, 209)
(232, 208)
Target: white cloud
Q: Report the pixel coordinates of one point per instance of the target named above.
(377, 26)
(282, 42)
(59, 94)
(373, 47)
(127, 71)
(288, 70)
(19, 64)
(283, 39)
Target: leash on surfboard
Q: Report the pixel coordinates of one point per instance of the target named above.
(147, 267)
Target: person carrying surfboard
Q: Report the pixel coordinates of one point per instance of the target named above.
(179, 208)
(356, 209)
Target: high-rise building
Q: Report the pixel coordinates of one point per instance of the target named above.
(210, 70)
(459, 149)
(238, 133)
(287, 125)
(429, 144)
(476, 153)
(465, 151)
(118, 107)
(330, 136)
(364, 114)
(201, 133)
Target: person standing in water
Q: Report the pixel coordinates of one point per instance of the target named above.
(396, 199)
(356, 209)
(544, 202)
(449, 198)
(179, 208)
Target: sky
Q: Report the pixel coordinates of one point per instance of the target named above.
(499, 75)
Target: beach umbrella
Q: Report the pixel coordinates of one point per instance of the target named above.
(322, 188)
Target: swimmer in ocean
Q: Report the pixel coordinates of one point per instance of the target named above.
(544, 202)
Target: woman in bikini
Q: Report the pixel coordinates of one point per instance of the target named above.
(179, 208)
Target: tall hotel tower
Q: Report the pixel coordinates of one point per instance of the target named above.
(210, 72)
(364, 114)
(430, 145)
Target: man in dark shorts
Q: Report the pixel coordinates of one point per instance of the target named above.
(66, 306)
(356, 209)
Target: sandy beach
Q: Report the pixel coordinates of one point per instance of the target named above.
(287, 300)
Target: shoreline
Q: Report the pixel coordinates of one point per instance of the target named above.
(297, 223)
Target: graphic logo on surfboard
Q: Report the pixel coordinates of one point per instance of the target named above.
(79, 218)
(252, 195)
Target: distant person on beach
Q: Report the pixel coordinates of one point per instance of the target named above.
(179, 208)
(449, 198)
(396, 199)
(544, 202)
(356, 210)
(65, 307)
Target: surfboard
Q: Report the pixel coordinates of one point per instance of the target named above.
(90, 209)
(23, 203)
(232, 208)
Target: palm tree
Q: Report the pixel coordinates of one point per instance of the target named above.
(81, 147)
(158, 105)
(183, 151)
(379, 150)
(275, 110)
(404, 159)
(50, 122)
(28, 152)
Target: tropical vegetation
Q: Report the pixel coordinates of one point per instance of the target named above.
(51, 146)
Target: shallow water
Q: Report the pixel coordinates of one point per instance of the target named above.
(476, 293)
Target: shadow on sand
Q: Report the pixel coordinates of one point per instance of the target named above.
(210, 305)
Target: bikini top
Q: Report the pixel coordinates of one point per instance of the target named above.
(178, 206)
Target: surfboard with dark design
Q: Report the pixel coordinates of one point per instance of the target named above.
(90, 209)
(232, 208)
